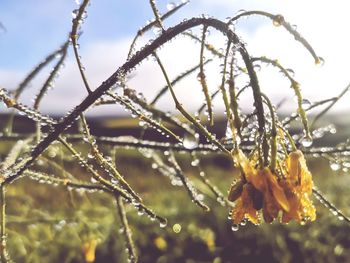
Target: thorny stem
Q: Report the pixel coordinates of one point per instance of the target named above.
(233, 99)
(107, 166)
(318, 116)
(288, 120)
(177, 79)
(273, 140)
(258, 104)
(279, 20)
(213, 95)
(94, 173)
(202, 79)
(3, 235)
(18, 91)
(296, 87)
(188, 185)
(209, 47)
(51, 77)
(131, 251)
(156, 112)
(39, 176)
(118, 75)
(178, 106)
(112, 187)
(156, 14)
(120, 142)
(74, 37)
(204, 179)
(144, 117)
(301, 111)
(147, 27)
(225, 98)
(48, 83)
(329, 205)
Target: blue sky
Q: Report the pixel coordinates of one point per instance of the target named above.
(37, 27)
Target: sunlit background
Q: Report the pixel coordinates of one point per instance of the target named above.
(32, 29)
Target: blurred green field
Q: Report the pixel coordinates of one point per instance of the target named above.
(53, 224)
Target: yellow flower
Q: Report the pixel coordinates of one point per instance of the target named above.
(298, 188)
(245, 207)
(89, 249)
(262, 181)
(263, 189)
(273, 195)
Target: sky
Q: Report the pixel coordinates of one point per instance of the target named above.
(33, 29)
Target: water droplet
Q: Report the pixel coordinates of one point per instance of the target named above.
(332, 129)
(305, 103)
(335, 166)
(241, 11)
(140, 212)
(200, 76)
(319, 61)
(84, 15)
(334, 212)
(170, 6)
(306, 141)
(163, 224)
(257, 67)
(190, 141)
(340, 217)
(195, 162)
(75, 13)
(235, 227)
(291, 72)
(244, 222)
(278, 20)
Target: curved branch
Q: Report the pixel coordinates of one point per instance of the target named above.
(127, 67)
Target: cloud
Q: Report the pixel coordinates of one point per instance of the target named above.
(328, 36)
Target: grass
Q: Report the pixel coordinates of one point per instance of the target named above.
(54, 224)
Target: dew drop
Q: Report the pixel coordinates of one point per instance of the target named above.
(235, 227)
(244, 222)
(195, 162)
(170, 6)
(319, 61)
(305, 103)
(306, 141)
(200, 76)
(241, 11)
(257, 67)
(291, 72)
(334, 212)
(335, 166)
(75, 13)
(332, 129)
(190, 141)
(163, 224)
(340, 217)
(278, 20)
